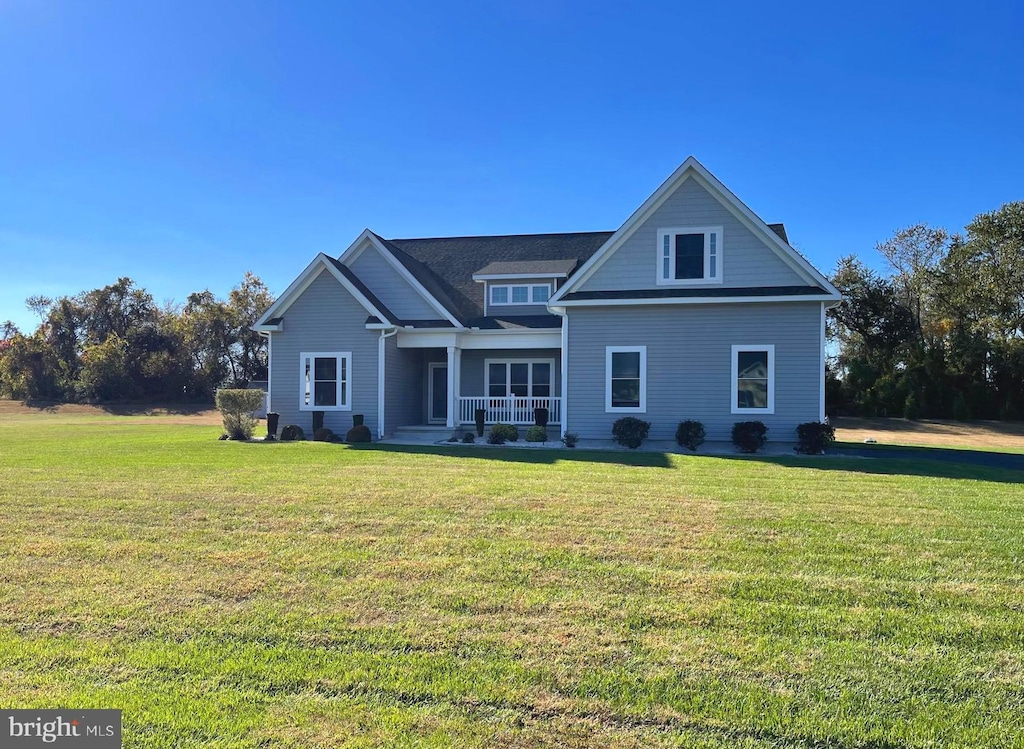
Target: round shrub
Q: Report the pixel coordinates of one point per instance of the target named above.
(570, 439)
(469, 438)
(359, 433)
(323, 434)
(536, 434)
(690, 434)
(630, 432)
(749, 436)
(813, 437)
(292, 432)
(502, 433)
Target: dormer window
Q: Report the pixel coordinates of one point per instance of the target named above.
(519, 294)
(689, 255)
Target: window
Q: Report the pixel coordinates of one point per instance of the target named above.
(626, 379)
(690, 255)
(521, 378)
(520, 294)
(325, 382)
(753, 379)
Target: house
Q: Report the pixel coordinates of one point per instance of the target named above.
(693, 309)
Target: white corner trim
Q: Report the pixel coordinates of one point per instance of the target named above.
(270, 371)
(608, 352)
(565, 375)
(733, 386)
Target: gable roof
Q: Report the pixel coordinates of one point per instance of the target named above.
(774, 238)
(445, 265)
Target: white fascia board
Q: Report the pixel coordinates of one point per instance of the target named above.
(690, 168)
(516, 276)
(300, 284)
(368, 238)
(268, 328)
(691, 300)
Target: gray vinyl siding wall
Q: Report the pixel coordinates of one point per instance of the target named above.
(746, 259)
(394, 291)
(403, 379)
(325, 318)
(689, 364)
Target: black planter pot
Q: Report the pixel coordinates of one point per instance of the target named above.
(540, 417)
(480, 414)
(272, 421)
(357, 420)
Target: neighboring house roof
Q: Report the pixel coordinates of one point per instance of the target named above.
(445, 265)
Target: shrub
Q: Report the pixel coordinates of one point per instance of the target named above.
(359, 433)
(536, 434)
(569, 439)
(630, 432)
(502, 433)
(911, 410)
(469, 438)
(690, 434)
(749, 436)
(813, 437)
(323, 434)
(236, 407)
(292, 432)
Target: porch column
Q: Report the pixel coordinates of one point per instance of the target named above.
(454, 367)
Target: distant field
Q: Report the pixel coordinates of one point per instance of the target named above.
(978, 435)
(315, 595)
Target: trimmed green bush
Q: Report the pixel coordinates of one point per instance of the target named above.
(292, 432)
(359, 433)
(749, 436)
(813, 437)
(569, 439)
(502, 433)
(469, 438)
(323, 434)
(236, 406)
(536, 434)
(690, 434)
(630, 431)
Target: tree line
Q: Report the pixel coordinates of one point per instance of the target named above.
(116, 344)
(939, 332)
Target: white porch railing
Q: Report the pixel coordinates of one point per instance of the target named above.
(510, 410)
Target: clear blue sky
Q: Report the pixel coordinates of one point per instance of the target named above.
(182, 143)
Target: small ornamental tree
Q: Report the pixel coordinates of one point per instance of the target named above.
(236, 408)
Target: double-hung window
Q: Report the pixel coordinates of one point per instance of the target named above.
(753, 379)
(625, 379)
(689, 255)
(325, 381)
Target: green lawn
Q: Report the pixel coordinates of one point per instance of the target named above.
(243, 595)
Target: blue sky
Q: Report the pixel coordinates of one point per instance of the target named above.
(182, 143)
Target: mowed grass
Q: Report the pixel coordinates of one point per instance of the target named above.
(300, 595)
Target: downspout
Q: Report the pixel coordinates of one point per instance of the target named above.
(380, 379)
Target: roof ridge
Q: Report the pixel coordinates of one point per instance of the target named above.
(499, 236)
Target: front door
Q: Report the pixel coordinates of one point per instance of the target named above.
(437, 397)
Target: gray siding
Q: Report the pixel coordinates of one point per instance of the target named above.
(393, 290)
(502, 310)
(325, 318)
(689, 364)
(404, 378)
(746, 259)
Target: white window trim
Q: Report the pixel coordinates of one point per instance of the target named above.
(338, 355)
(707, 231)
(529, 295)
(529, 386)
(608, 407)
(734, 387)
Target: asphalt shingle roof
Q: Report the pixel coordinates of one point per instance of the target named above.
(554, 267)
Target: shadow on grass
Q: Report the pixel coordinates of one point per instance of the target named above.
(537, 455)
(913, 464)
